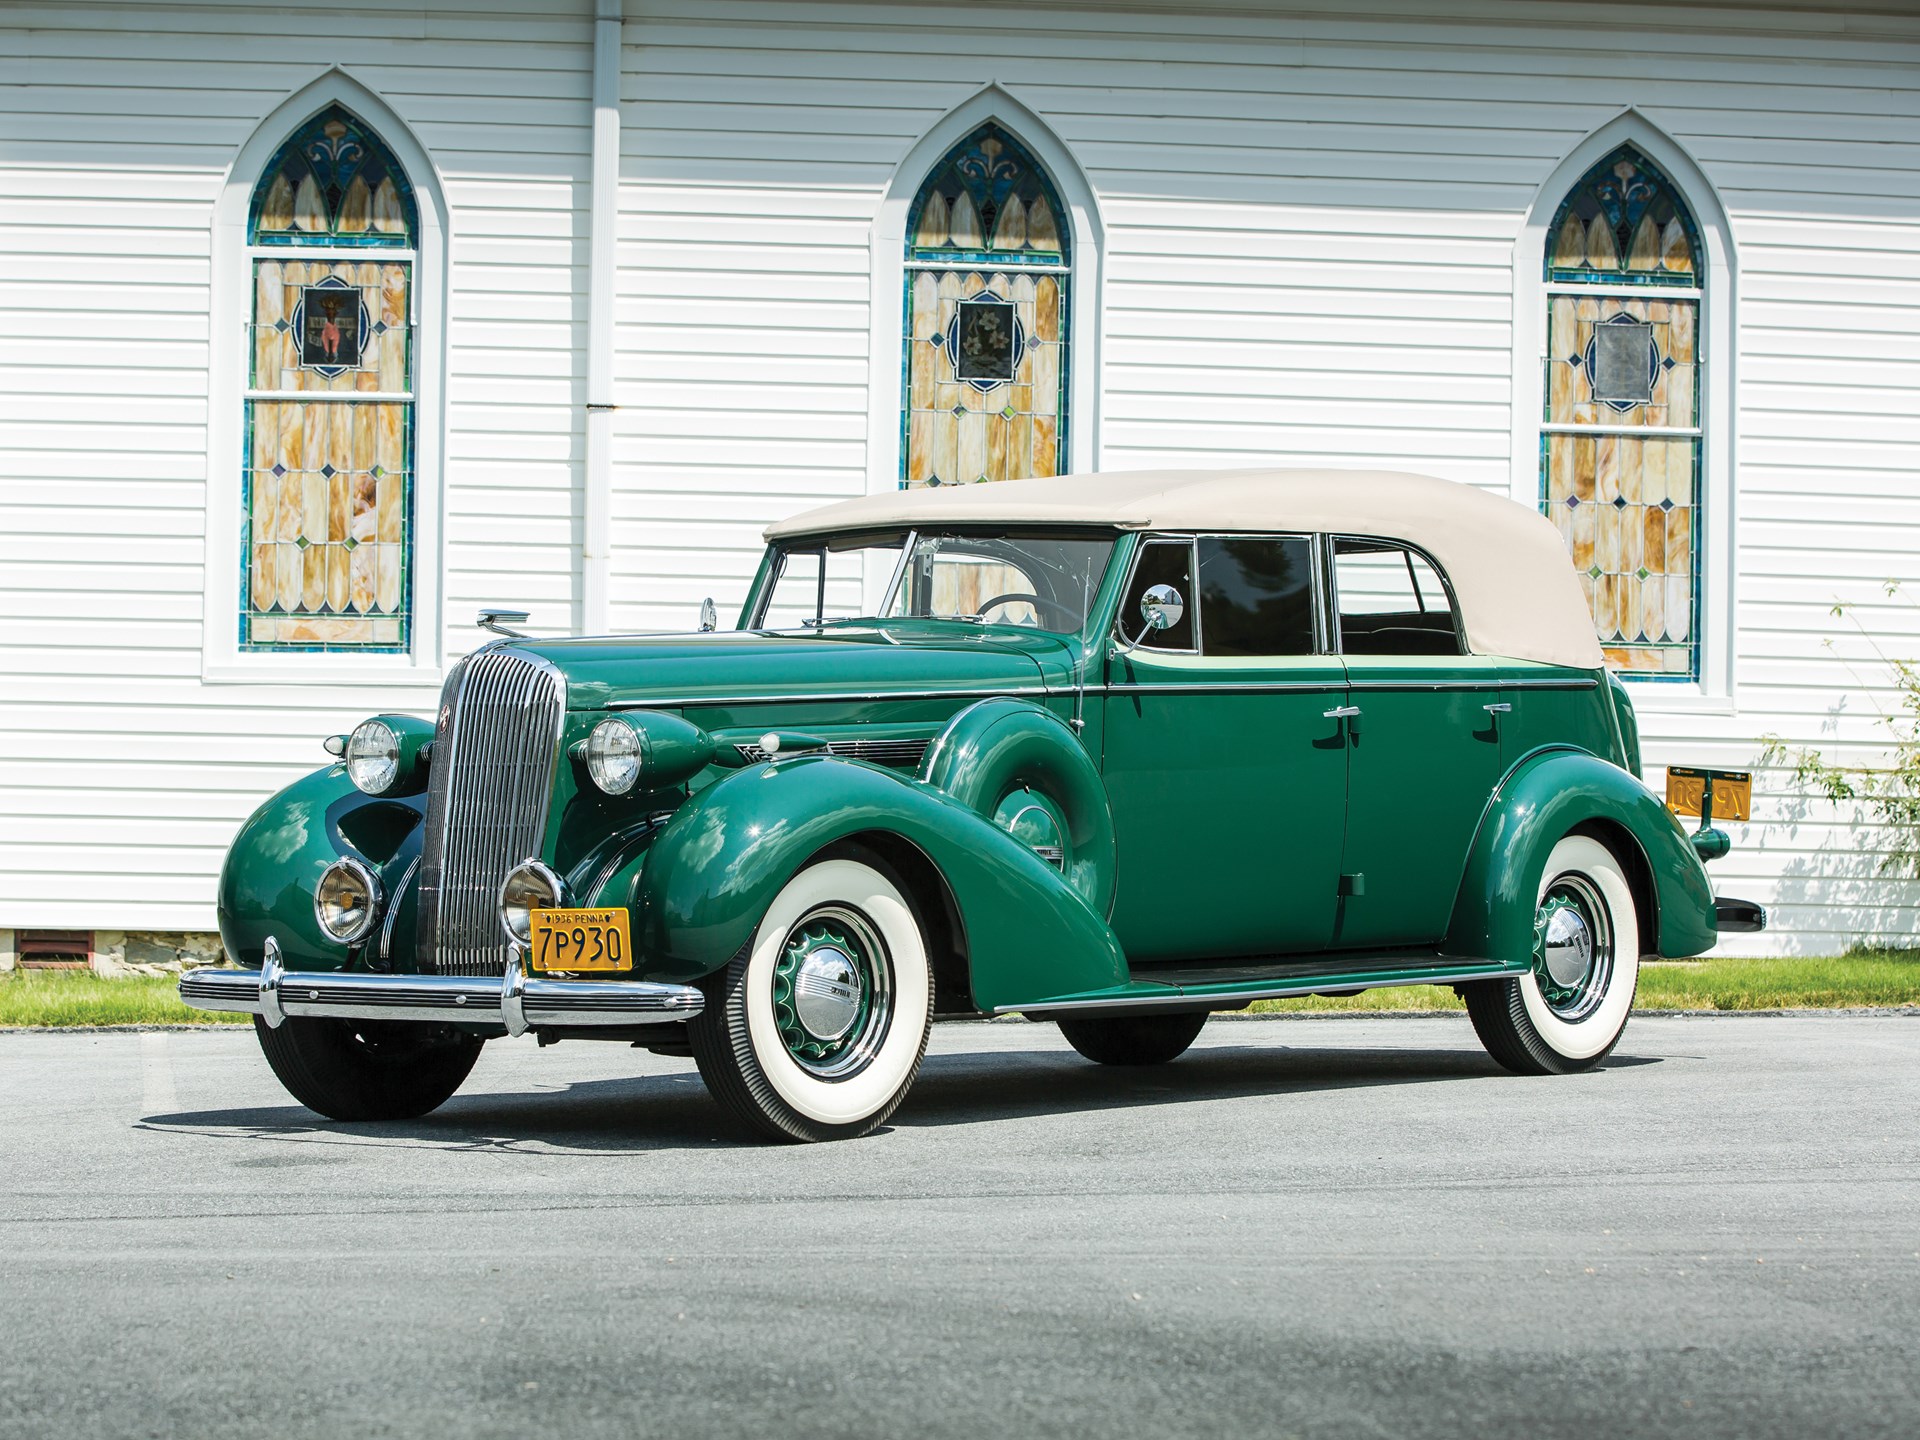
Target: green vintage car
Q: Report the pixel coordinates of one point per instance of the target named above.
(1114, 750)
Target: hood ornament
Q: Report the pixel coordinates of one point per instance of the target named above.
(492, 617)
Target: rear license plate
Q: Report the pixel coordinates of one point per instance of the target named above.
(581, 940)
(1731, 791)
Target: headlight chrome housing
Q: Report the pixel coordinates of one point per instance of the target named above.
(616, 755)
(528, 887)
(373, 757)
(346, 902)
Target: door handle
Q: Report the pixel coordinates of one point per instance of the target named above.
(1502, 708)
(1340, 712)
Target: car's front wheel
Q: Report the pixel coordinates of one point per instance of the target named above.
(817, 1027)
(368, 1069)
(1567, 1012)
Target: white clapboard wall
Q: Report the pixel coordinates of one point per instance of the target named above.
(1309, 223)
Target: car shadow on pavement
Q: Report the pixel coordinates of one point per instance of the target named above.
(964, 1089)
(641, 1113)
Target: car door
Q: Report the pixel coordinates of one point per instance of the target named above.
(1424, 743)
(1226, 774)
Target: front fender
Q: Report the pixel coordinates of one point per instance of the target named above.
(1545, 797)
(716, 866)
(268, 878)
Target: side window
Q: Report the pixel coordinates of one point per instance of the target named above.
(1256, 595)
(1162, 562)
(1392, 602)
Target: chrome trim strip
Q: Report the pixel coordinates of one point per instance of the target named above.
(1225, 687)
(682, 701)
(393, 909)
(513, 1000)
(1176, 996)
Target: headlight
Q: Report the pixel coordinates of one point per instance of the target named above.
(346, 902)
(373, 757)
(614, 756)
(531, 886)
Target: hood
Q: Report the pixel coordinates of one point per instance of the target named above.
(903, 657)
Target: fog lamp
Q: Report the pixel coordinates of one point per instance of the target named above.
(530, 887)
(346, 902)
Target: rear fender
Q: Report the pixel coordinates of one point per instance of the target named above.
(1545, 797)
(715, 867)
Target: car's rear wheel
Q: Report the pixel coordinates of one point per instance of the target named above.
(816, 1029)
(368, 1069)
(1567, 1013)
(1132, 1039)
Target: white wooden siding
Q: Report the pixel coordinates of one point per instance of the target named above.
(122, 775)
(1310, 219)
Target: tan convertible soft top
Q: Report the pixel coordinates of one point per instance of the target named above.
(1511, 575)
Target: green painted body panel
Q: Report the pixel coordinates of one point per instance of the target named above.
(1421, 762)
(271, 869)
(1548, 795)
(716, 866)
(1229, 804)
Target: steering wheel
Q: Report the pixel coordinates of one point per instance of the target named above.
(1070, 620)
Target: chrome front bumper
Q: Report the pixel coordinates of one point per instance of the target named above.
(518, 1001)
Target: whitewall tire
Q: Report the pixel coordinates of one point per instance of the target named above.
(816, 1029)
(1568, 1012)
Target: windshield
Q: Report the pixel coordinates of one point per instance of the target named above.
(1044, 579)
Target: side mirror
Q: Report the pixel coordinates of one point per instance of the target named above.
(1162, 608)
(709, 617)
(497, 620)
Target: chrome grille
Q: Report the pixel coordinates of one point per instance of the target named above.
(490, 783)
(905, 754)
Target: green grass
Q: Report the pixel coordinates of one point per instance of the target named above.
(79, 997)
(1860, 979)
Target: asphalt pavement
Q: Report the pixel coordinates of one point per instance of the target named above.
(1315, 1227)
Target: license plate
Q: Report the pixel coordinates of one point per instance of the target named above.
(581, 940)
(1732, 792)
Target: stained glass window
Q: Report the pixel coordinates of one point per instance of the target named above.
(328, 488)
(1620, 446)
(985, 352)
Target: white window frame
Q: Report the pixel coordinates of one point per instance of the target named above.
(223, 661)
(1713, 692)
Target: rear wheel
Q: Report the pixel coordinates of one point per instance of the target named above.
(368, 1069)
(1132, 1039)
(816, 1029)
(1567, 1013)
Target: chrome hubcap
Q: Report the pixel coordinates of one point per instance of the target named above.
(1568, 946)
(1573, 947)
(826, 993)
(833, 992)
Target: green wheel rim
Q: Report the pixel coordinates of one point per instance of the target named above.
(833, 992)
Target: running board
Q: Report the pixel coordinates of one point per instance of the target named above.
(1216, 997)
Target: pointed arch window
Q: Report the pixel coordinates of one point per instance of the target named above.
(1621, 439)
(327, 519)
(986, 351)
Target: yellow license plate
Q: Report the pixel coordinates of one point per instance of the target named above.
(581, 940)
(1732, 792)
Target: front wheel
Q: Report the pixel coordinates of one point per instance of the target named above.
(817, 1027)
(368, 1069)
(1566, 1014)
(1132, 1039)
